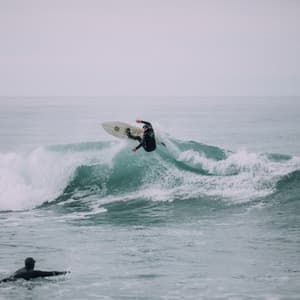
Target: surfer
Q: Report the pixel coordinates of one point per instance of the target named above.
(148, 139)
(28, 272)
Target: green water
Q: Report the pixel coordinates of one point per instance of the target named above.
(215, 215)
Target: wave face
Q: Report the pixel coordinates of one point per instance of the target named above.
(88, 176)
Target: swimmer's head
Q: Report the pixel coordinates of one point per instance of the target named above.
(29, 263)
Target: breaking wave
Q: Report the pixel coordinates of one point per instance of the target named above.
(98, 173)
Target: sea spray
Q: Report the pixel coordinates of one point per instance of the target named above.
(28, 180)
(104, 171)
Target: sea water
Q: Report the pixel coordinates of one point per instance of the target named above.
(213, 215)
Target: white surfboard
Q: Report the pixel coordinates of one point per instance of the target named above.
(118, 129)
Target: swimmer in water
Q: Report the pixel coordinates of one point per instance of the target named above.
(28, 272)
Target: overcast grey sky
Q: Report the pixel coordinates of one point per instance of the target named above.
(149, 47)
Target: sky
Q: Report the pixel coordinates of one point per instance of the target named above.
(149, 48)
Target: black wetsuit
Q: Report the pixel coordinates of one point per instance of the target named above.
(31, 274)
(148, 139)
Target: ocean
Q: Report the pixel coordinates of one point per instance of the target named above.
(213, 215)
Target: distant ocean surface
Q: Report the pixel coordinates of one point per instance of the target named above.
(214, 215)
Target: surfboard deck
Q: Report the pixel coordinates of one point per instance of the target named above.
(118, 129)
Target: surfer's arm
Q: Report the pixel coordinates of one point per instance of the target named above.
(11, 278)
(137, 147)
(144, 122)
(50, 273)
(138, 138)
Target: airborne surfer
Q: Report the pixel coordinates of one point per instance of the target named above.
(147, 141)
(28, 272)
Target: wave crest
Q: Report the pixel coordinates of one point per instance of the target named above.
(103, 172)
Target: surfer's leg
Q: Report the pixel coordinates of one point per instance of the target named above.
(137, 138)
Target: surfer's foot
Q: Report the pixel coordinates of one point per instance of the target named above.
(128, 131)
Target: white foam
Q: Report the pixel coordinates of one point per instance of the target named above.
(241, 176)
(28, 180)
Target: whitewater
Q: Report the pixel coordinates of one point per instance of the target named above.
(107, 170)
(213, 215)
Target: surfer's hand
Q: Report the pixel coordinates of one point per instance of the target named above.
(133, 149)
(138, 120)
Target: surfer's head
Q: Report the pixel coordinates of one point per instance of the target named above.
(29, 263)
